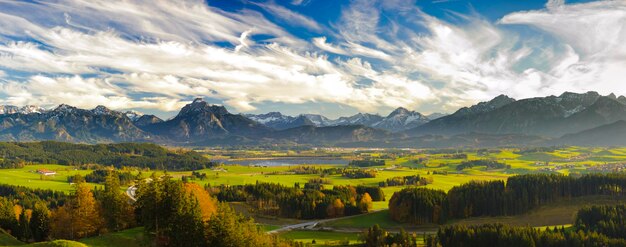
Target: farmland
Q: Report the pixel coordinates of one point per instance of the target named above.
(440, 167)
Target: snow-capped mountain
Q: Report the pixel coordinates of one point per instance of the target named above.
(358, 119)
(401, 119)
(133, 115)
(319, 120)
(277, 120)
(11, 109)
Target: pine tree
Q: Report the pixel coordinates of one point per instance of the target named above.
(230, 229)
(25, 233)
(40, 222)
(117, 212)
(186, 228)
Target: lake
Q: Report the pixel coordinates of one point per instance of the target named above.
(285, 162)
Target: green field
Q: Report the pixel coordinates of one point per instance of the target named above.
(7, 240)
(134, 237)
(322, 238)
(29, 177)
(440, 167)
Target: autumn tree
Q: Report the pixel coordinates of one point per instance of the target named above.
(365, 204)
(80, 217)
(335, 209)
(8, 220)
(207, 204)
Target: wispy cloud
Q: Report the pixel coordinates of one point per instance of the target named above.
(157, 54)
(291, 17)
(592, 35)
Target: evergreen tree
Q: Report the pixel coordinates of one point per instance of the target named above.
(40, 222)
(117, 212)
(186, 227)
(374, 236)
(230, 229)
(25, 233)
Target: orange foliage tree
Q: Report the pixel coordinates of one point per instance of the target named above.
(80, 217)
(207, 204)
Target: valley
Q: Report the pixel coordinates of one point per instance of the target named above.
(441, 169)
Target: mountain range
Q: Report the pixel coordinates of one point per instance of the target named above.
(568, 119)
(399, 120)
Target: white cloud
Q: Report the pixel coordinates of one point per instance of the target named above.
(291, 17)
(80, 92)
(592, 35)
(552, 4)
(320, 42)
(88, 53)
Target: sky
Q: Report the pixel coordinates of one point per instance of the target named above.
(335, 57)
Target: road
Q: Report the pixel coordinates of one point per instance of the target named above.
(131, 193)
(313, 224)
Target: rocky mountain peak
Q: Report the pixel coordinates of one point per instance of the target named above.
(612, 96)
(101, 110)
(500, 100)
(133, 115)
(497, 102)
(399, 111)
(201, 106)
(65, 108)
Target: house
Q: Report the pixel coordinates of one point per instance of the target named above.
(46, 172)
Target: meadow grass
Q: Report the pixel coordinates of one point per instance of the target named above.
(321, 238)
(7, 240)
(134, 237)
(28, 177)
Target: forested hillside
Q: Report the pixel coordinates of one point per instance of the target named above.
(142, 155)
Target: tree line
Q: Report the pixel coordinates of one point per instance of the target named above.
(490, 164)
(142, 155)
(406, 180)
(366, 163)
(498, 235)
(310, 202)
(594, 226)
(173, 213)
(608, 220)
(376, 236)
(520, 194)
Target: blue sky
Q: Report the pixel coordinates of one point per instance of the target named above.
(306, 56)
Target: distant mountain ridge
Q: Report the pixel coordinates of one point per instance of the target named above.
(11, 109)
(399, 120)
(67, 123)
(551, 116)
(570, 118)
